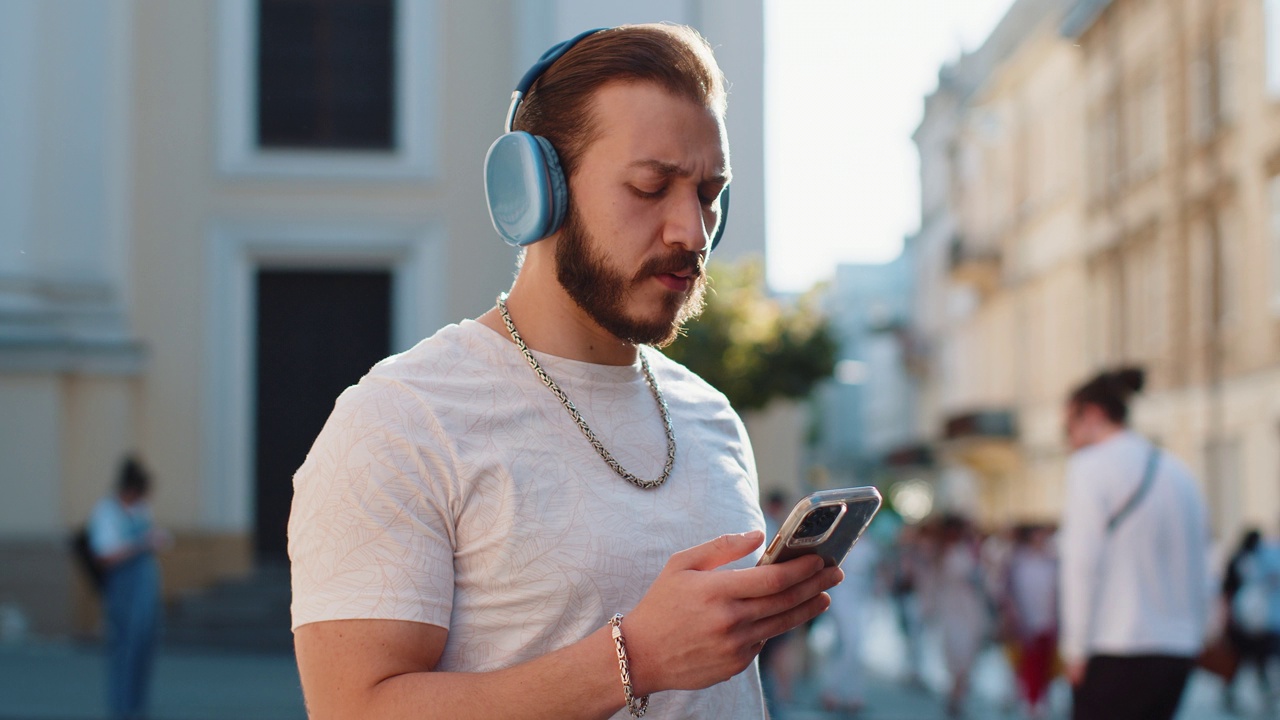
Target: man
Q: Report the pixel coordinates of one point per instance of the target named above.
(1134, 546)
(124, 541)
(461, 549)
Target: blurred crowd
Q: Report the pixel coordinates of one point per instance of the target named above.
(968, 590)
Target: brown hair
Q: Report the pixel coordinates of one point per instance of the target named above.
(558, 104)
(1111, 391)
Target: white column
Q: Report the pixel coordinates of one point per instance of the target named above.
(65, 177)
(17, 123)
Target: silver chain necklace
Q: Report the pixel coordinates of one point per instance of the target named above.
(582, 424)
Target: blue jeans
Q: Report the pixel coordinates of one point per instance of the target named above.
(132, 604)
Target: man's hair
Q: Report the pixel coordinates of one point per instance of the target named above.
(675, 57)
(1111, 392)
(133, 477)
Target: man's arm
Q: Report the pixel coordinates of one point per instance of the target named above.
(695, 627)
(1084, 530)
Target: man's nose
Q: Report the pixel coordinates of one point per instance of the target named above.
(686, 224)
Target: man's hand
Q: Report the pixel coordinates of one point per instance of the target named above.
(698, 625)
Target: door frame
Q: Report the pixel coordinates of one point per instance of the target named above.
(235, 251)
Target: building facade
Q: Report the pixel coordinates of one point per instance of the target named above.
(1109, 200)
(215, 215)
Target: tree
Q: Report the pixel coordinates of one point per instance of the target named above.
(753, 347)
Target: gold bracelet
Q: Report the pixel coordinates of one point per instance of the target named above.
(636, 706)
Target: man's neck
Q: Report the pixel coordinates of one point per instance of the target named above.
(550, 322)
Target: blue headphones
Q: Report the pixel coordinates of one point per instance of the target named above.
(524, 186)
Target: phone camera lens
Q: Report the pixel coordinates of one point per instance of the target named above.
(817, 521)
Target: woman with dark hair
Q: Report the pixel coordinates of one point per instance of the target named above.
(1134, 543)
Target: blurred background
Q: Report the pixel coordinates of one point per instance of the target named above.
(216, 214)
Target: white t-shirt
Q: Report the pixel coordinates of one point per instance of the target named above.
(451, 487)
(1145, 587)
(114, 527)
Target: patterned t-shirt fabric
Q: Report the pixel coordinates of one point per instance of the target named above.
(451, 487)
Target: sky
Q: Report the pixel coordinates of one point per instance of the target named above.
(845, 82)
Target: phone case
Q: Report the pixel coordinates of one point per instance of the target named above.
(857, 506)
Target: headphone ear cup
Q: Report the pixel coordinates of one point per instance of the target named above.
(524, 188)
(724, 218)
(557, 182)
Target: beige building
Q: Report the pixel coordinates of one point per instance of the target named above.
(1112, 189)
(999, 266)
(214, 215)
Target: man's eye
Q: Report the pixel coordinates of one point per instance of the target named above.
(647, 193)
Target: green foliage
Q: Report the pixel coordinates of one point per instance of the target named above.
(752, 347)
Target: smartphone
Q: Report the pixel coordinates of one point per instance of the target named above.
(826, 524)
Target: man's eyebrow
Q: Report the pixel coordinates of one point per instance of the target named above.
(671, 169)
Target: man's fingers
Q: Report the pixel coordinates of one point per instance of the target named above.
(720, 551)
(797, 594)
(775, 625)
(769, 580)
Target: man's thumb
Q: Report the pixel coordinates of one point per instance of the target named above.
(719, 551)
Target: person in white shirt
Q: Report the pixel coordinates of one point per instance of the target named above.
(532, 515)
(1134, 546)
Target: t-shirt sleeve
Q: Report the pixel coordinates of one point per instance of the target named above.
(107, 532)
(371, 530)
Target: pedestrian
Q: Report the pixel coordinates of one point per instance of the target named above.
(1032, 603)
(526, 515)
(125, 541)
(961, 606)
(1134, 545)
(842, 677)
(1246, 628)
(907, 565)
(776, 672)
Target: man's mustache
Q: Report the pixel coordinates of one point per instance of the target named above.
(677, 262)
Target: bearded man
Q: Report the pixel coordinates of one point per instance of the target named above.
(532, 514)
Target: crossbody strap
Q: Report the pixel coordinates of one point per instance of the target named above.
(1147, 478)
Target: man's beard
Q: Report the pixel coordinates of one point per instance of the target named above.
(602, 291)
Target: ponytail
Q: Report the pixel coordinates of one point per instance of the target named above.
(1111, 392)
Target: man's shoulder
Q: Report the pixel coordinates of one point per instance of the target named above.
(447, 366)
(454, 346)
(683, 381)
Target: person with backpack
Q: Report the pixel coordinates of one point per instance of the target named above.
(124, 540)
(1134, 545)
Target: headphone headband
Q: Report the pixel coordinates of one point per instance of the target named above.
(548, 58)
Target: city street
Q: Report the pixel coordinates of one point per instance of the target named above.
(63, 681)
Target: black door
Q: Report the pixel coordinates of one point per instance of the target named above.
(318, 332)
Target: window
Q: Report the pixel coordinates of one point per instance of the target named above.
(1111, 147)
(1148, 128)
(328, 88)
(326, 74)
(1203, 105)
(1200, 253)
(1104, 153)
(1227, 72)
(1228, 271)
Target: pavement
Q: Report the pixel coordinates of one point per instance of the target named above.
(48, 680)
(65, 681)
